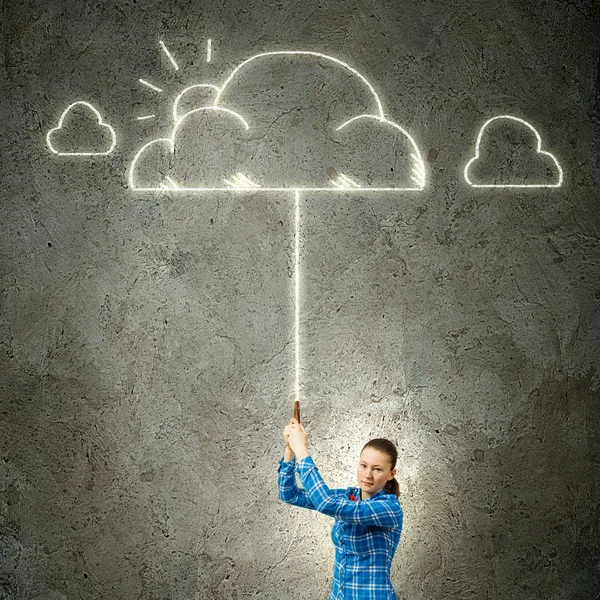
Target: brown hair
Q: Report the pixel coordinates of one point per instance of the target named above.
(387, 447)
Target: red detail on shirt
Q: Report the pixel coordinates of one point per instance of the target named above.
(352, 497)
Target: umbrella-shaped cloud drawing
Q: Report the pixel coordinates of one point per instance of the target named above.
(508, 154)
(272, 136)
(81, 131)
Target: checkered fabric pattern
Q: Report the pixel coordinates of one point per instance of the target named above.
(365, 533)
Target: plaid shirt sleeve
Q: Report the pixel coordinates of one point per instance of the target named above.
(384, 511)
(288, 488)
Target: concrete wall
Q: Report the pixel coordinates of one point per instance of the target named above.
(147, 338)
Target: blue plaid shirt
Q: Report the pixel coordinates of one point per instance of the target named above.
(365, 533)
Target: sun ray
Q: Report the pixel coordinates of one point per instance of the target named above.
(170, 57)
(148, 84)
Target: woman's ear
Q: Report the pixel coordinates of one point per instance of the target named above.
(393, 473)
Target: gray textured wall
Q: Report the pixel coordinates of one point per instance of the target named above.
(147, 338)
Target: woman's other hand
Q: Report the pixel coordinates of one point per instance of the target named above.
(287, 431)
(297, 438)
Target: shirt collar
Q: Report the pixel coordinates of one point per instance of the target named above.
(381, 492)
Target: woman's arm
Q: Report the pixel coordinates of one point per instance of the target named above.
(381, 512)
(288, 453)
(288, 488)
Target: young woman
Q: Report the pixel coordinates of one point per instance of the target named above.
(368, 518)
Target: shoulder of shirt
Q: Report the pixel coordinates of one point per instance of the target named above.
(387, 497)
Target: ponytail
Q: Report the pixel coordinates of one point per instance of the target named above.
(387, 447)
(393, 487)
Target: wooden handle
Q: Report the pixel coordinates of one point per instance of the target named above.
(297, 411)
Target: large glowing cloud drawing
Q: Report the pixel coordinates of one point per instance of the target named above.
(544, 159)
(107, 133)
(408, 176)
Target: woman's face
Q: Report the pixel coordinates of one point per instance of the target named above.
(373, 471)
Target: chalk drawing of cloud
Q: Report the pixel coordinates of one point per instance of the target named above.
(508, 154)
(81, 132)
(281, 121)
(209, 142)
(194, 96)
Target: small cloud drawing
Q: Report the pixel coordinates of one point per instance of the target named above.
(207, 153)
(279, 122)
(81, 132)
(381, 153)
(508, 154)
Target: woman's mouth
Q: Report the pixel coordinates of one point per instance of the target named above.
(367, 483)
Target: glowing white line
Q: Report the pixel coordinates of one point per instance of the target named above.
(136, 157)
(270, 189)
(247, 180)
(234, 182)
(208, 50)
(197, 85)
(418, 173)
(217, 108)
(146, 117)
(241, 182)
(162, 45)
(100, 122)
(512, 185)
(416, 154)
(349, 181)
(418, 166)
(303, 53)
(147, 83)
(338, 185)
(172, 182)
(297, 296)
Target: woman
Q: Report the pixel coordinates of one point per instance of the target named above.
(368, 518)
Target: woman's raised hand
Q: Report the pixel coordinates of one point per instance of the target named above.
(296, 438)
(288, 430)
